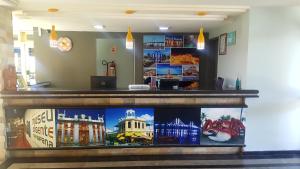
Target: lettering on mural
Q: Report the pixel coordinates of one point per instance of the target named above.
(43, 128)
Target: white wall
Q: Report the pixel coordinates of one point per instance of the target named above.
(267, 56)
(233, 64)
(273, 67)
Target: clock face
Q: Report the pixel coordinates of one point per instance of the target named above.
(64, 44)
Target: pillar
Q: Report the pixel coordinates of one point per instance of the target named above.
(6, 59)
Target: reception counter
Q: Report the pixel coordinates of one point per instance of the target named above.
(199, 115)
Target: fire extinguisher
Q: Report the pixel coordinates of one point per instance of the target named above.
(112, 68)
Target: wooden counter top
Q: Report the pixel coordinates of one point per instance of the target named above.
(100, 98)
(50, 93)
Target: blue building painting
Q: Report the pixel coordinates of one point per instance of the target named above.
(177, 126)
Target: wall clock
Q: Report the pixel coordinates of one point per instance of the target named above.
(64, 44)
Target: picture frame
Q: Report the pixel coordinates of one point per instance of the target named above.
(223, 44)
(231, 38)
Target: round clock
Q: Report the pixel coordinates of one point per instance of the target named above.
(64, 44)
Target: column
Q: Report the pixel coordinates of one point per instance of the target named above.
(91, 133)
(96, 134)
(62, 132)
(76, 133)
(6, 59)
(100, 133)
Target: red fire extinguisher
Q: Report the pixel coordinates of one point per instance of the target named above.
(111, 69)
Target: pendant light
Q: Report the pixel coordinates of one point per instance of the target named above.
(53, 37)
(53, 34)
(129, 39)
(201, 40)
(23, 37)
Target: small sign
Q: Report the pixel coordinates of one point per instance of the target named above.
(114, 50)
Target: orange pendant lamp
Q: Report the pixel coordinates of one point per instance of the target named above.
(201, 40)
(53, 37)
(129, 39)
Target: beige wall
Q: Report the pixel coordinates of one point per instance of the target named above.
(66, 69)
(72, 70)
(233, 64)
(6, 58)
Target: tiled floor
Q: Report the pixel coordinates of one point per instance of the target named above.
(248, 160)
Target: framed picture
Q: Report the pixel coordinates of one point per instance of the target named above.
(231, 38)
(223, 44)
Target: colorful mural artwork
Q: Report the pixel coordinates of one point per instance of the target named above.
(190, 41)
(154, 42)
(80, 127)
(174, 41)
(181, 56)
(177, 126)
(124, 126)
(129, 126)
(168, 52)
(222, 126)
(31, 128)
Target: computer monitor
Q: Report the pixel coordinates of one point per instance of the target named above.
(103, 82)
(168, 84)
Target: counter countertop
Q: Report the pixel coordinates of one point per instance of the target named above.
(128, 93)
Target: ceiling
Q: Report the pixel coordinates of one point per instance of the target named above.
(179, 15)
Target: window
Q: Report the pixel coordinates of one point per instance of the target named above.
(129, 124)
(135, 125)
(139, 125)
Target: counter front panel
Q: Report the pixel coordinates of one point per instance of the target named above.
(62, 128)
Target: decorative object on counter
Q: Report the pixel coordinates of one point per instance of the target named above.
(9, 78)
(219, 83)
(64, 44)
(238, 84)
(231, 38)
(129, 39)
(201, 40)
(223, 44)
(111, 69)
(139, 87)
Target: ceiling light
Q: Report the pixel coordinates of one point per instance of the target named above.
(201, 13)
(201, 40)
(129, 39)
(130, 11)
(163, 28)
(23, 37)
(52, 10)
(53, 37)
(99, 27)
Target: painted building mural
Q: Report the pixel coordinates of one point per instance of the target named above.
(80, 127)
(222, 126)
(129, 126)
(177, 126)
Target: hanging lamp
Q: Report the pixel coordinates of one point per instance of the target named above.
(53, 34)
(53, 37)
(201, 40)
(23, 37)
(129, 39)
